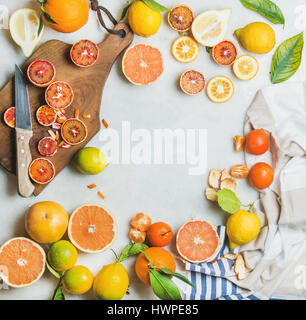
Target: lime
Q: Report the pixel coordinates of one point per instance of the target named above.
(90, 160)
(77, 280)
(62, 255)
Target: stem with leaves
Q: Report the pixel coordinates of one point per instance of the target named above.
(45, 14)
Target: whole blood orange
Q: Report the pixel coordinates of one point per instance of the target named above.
(197, 241)
(46, 221)
(257, 142)
(47, 147)
(160, 234)
(59, 95)
(142, 64)
(22, 262)
(10, 117)
(84, 53)
(92, 228)
(261, 175)
(160, 257)
(41, 73)
(74, 131)
(224, 53)
(41, 171)
(69, 15)
(46, 115)
(180, 18)
(192, 82)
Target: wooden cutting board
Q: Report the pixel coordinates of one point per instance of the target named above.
(87, 84)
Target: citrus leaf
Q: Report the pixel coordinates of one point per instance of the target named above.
(228, 201)
(175, 274)
(58, 294)
(125, 9)
(155, 6)
(131, 250)
(41, 24)
(163, 287)
(287, 59)
(48, 17)
(266, 8)
(55, 273)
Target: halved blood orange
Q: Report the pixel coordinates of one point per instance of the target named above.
(84, 53)
(192, 82)
(74, 131)
(41, 73)
(22, 262)
(142, 64)
(92, 228)
(180, 18)
(46, 115)
(41, 171)
(10, 117)
(197, 241)
(224, 53)
(59, 95)
(47, 147)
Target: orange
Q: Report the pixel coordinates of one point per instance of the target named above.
(46, 222)
(257, 142)
(69, 15)
(78, 280)
(22, 262)
(261, 175)
(160, 257)
(160, 234)
(197, 241)
(142, 64)
(92, 228)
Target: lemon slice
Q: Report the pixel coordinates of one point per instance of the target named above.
(245, 67)
(185, 49)
(210, 27)
(220, 89)
(24, 25)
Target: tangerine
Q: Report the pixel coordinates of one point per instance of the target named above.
(261, 175)
(160, 234)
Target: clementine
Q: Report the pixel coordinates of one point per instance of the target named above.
(261, 175)
(160, 234)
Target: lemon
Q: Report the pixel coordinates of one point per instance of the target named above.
(112, 282)
(245, 67)
(256, 37)
(24, 26)
(242, 227)
(78, 280)
(62, 255)
(90, 160)
(143, 20)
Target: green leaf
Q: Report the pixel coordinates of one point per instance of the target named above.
(228, 201)
(175, 274)
(54, 272)
(41, 24)
(163, 287)
(58, 294)
(287, 59)
(125, 9)
(266, 8)
(155, 6)
(131, 250)
(48, 17)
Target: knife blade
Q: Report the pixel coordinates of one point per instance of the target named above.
(24, 134)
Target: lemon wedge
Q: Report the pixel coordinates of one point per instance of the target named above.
(24, 25)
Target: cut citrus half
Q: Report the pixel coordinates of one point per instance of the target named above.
(41, 171)
(84, 53)
(185, 49)
(47, 147)
(142, 64)
(24, 27)
(245, 67)
(73, 131)
(180, 18)
(197, 241)
(220, 89)
(41, 73)
(224, 53)
(22, 262)
(59, 95)
(92, 228)
(192, 82)
(46, 115)
(210, 27)
(10, 117)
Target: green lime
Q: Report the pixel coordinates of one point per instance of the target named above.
(90, 160)
(62, 255)
(77, 280)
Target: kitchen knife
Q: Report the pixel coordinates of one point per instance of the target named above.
(23, 135)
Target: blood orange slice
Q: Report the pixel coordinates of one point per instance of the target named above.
(59, 95)
(74, 131)
(180, 18)
(10, 117)
(142, 64)
(22, 262)
(192, 82)
(41, 171)
(224, 53)
(41, 73)
(46, 116)
(197, 241)
(84, 53)
(92, 228)
(47, 147)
